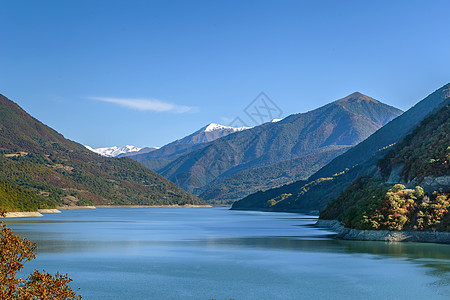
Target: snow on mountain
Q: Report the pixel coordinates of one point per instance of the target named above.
(216, 127)
(114, 150)
(209, 133)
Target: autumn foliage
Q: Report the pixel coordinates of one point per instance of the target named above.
(371, 204)
(14, 252)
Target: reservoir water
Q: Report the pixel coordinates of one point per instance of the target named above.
(215, 253)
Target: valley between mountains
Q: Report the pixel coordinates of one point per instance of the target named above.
(356, 159)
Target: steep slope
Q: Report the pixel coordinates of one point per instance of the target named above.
(333, 127)
(158, 159)
(422, 157)
(421, 161)
(40, 159)
(331, 180)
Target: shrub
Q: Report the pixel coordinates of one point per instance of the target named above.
(14, 252)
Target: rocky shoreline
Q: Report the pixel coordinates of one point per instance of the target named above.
(384, 235)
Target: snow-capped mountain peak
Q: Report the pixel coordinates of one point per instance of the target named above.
(114, 150)
(214, 127)
(209, 133)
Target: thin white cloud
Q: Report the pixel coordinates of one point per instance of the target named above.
(147, 104)
(226, 120)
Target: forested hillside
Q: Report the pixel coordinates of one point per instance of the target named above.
(379, 204)
(424, 152)
(36, 157)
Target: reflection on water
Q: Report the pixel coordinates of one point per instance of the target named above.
(190, 249)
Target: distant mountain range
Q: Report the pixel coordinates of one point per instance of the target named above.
(40, 160)
(115, 151)
(222, 164)
(204, 135)
(224, 168)
(361, 160)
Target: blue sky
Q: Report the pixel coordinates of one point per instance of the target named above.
(145, 73)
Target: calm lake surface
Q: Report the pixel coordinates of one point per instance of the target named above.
(215, 253)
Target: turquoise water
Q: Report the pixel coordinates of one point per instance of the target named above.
(215, 253)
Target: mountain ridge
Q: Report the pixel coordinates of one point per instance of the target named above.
(336, 176)
(420, 110)
(319, 130)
